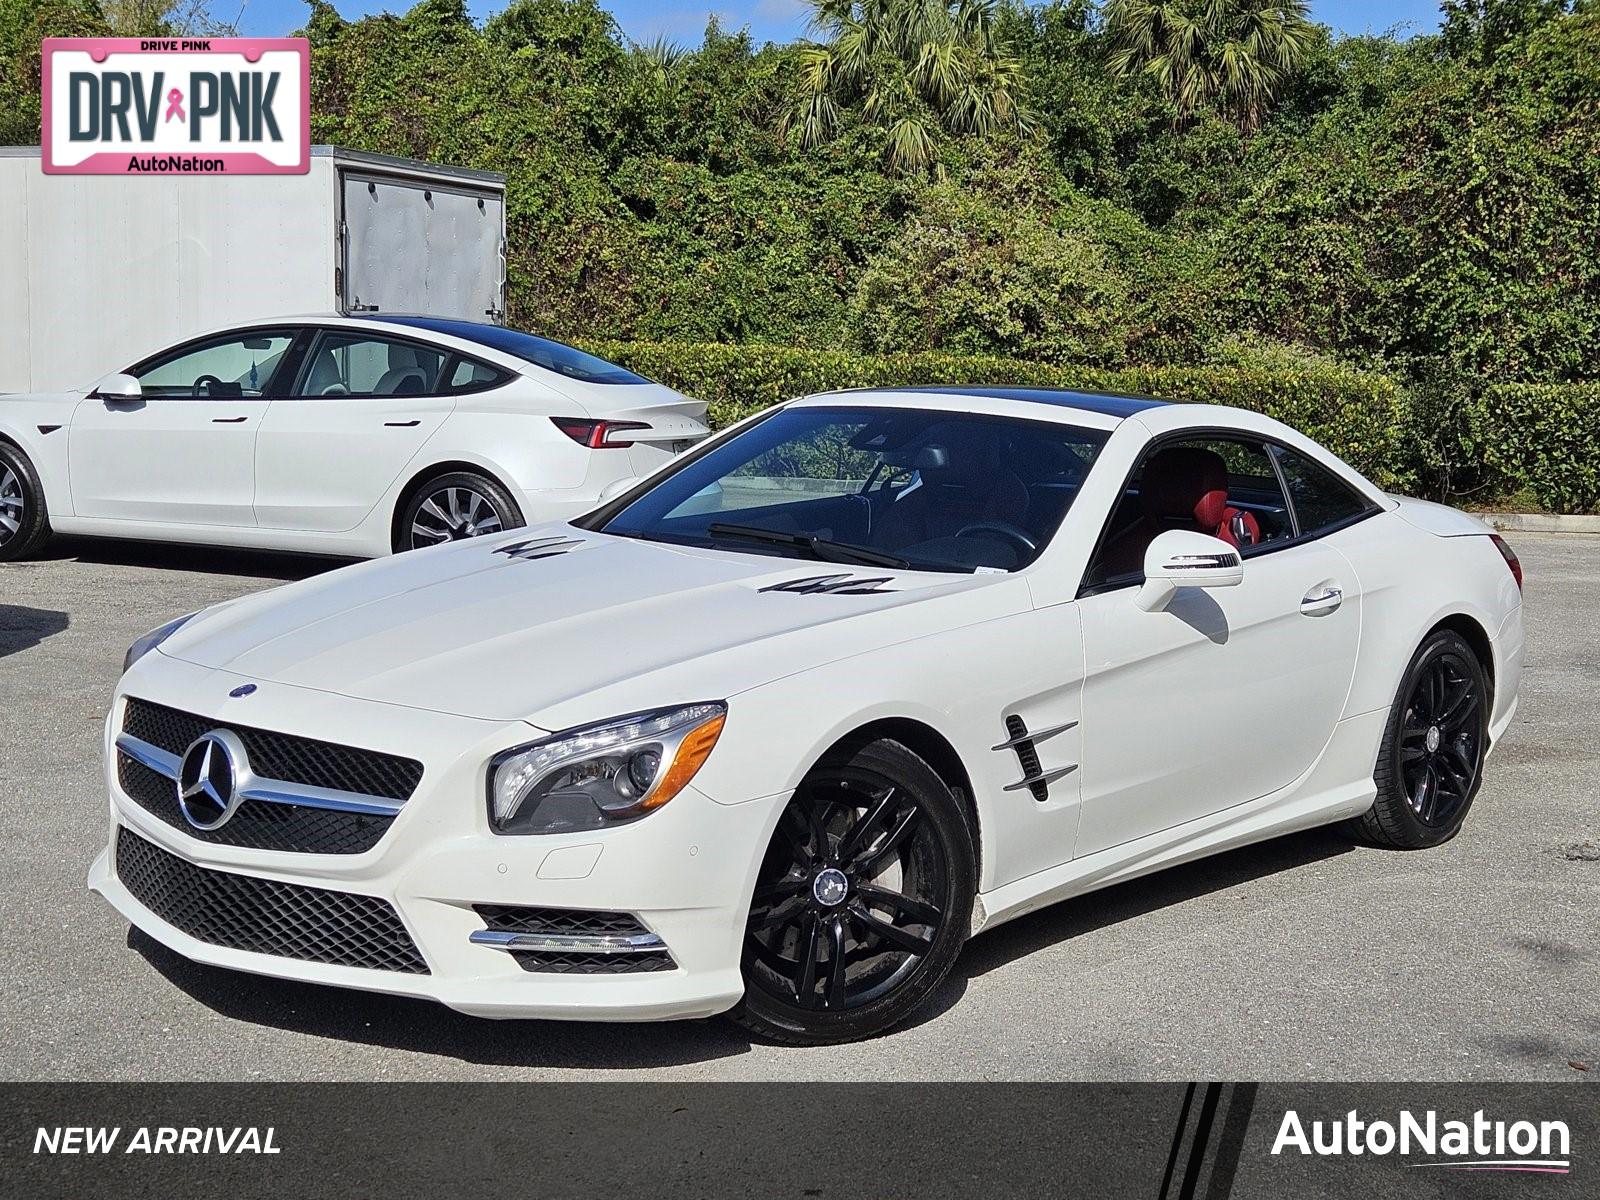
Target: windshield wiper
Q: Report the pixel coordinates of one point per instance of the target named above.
(823, 549)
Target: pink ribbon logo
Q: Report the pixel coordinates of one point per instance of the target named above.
(175, 105)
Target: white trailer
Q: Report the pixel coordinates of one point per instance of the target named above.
(97, 271)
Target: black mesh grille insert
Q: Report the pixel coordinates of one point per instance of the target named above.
(594, 964)
(288, 920)
(1028, 757)
(280, 755)
(519, 919)
(295, 828)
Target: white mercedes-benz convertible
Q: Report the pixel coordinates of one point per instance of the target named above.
(776, 731)
(334, 435)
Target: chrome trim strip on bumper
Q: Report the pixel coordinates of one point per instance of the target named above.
(271, 791)
(569, 943)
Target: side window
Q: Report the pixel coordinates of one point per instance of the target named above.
(1319, 496)
(469, 376)
(350, 364)
(241, 365)
(1224, 487)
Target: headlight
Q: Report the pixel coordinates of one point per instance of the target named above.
(604, 774)
(151, 640)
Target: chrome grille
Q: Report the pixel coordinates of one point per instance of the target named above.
(292, 828)
(279, 755)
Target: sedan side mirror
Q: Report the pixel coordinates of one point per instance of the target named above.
(1181, 558)
(117, 387)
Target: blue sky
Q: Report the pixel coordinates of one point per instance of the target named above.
(782, 20)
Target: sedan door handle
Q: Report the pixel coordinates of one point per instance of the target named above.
(229, 420)
(401, 424)
(1320, 604)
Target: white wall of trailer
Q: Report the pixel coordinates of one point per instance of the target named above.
(98, 271)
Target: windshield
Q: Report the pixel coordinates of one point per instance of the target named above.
(930, 490)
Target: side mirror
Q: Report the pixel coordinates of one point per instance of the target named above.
(1180, 558)
(612, 490)
(117, 387)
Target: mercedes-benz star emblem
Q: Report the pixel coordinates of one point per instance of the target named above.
(208, 779)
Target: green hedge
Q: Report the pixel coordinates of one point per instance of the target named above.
(1358, 415)
(1540, 440)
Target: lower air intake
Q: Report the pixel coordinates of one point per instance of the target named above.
(574, 922)
(265, 916)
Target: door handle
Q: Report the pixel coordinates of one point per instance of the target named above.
(401, 424)
(1320, 604)
(229, 420)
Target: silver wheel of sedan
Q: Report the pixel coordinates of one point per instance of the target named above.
(451, 514)
(13, 505)
(24, 523)
(453, 508)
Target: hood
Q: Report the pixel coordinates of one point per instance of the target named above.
(536, 624)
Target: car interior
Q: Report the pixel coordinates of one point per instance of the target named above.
(969, 492)
(342, 366)
(960, 492)
(1224, 488)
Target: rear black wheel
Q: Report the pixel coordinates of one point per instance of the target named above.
(24, 521)
(452, 508)
(862, 902)
(1431, 762)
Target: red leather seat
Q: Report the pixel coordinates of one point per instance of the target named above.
(1183, 487)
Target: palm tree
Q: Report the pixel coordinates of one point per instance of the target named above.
(915, 66)
(1234, 54)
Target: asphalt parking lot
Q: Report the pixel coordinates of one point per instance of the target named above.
(1305, 958)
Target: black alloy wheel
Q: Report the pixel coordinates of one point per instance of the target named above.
(453, 508)
(1441, 740)
(862, 901)
(1431, 763)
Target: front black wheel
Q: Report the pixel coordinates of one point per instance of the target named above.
(862, 902)
(452, 508)
(24, 522)
(1431, 762)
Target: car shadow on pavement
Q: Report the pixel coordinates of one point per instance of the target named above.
(24, 628)
(209, 560)
(1138, 897)
(423, 1027)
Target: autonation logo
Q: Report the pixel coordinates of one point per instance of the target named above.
(1478, 1144)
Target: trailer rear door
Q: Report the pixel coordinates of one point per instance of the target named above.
(416, 246)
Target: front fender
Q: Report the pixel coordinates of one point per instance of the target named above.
(41, 426)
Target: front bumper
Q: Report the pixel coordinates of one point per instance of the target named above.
(686, 872)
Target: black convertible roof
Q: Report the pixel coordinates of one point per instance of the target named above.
(1111, 404)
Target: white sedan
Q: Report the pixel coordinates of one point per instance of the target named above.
(778, 730)
(334, 435)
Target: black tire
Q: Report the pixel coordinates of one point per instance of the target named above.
(24, 519)
(879, 817)
(1431, 762)
(450, 508)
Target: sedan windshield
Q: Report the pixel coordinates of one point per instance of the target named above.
(923, 489)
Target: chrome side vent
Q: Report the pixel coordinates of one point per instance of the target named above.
(535, 548)
(1025, 745)
(834, 585)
